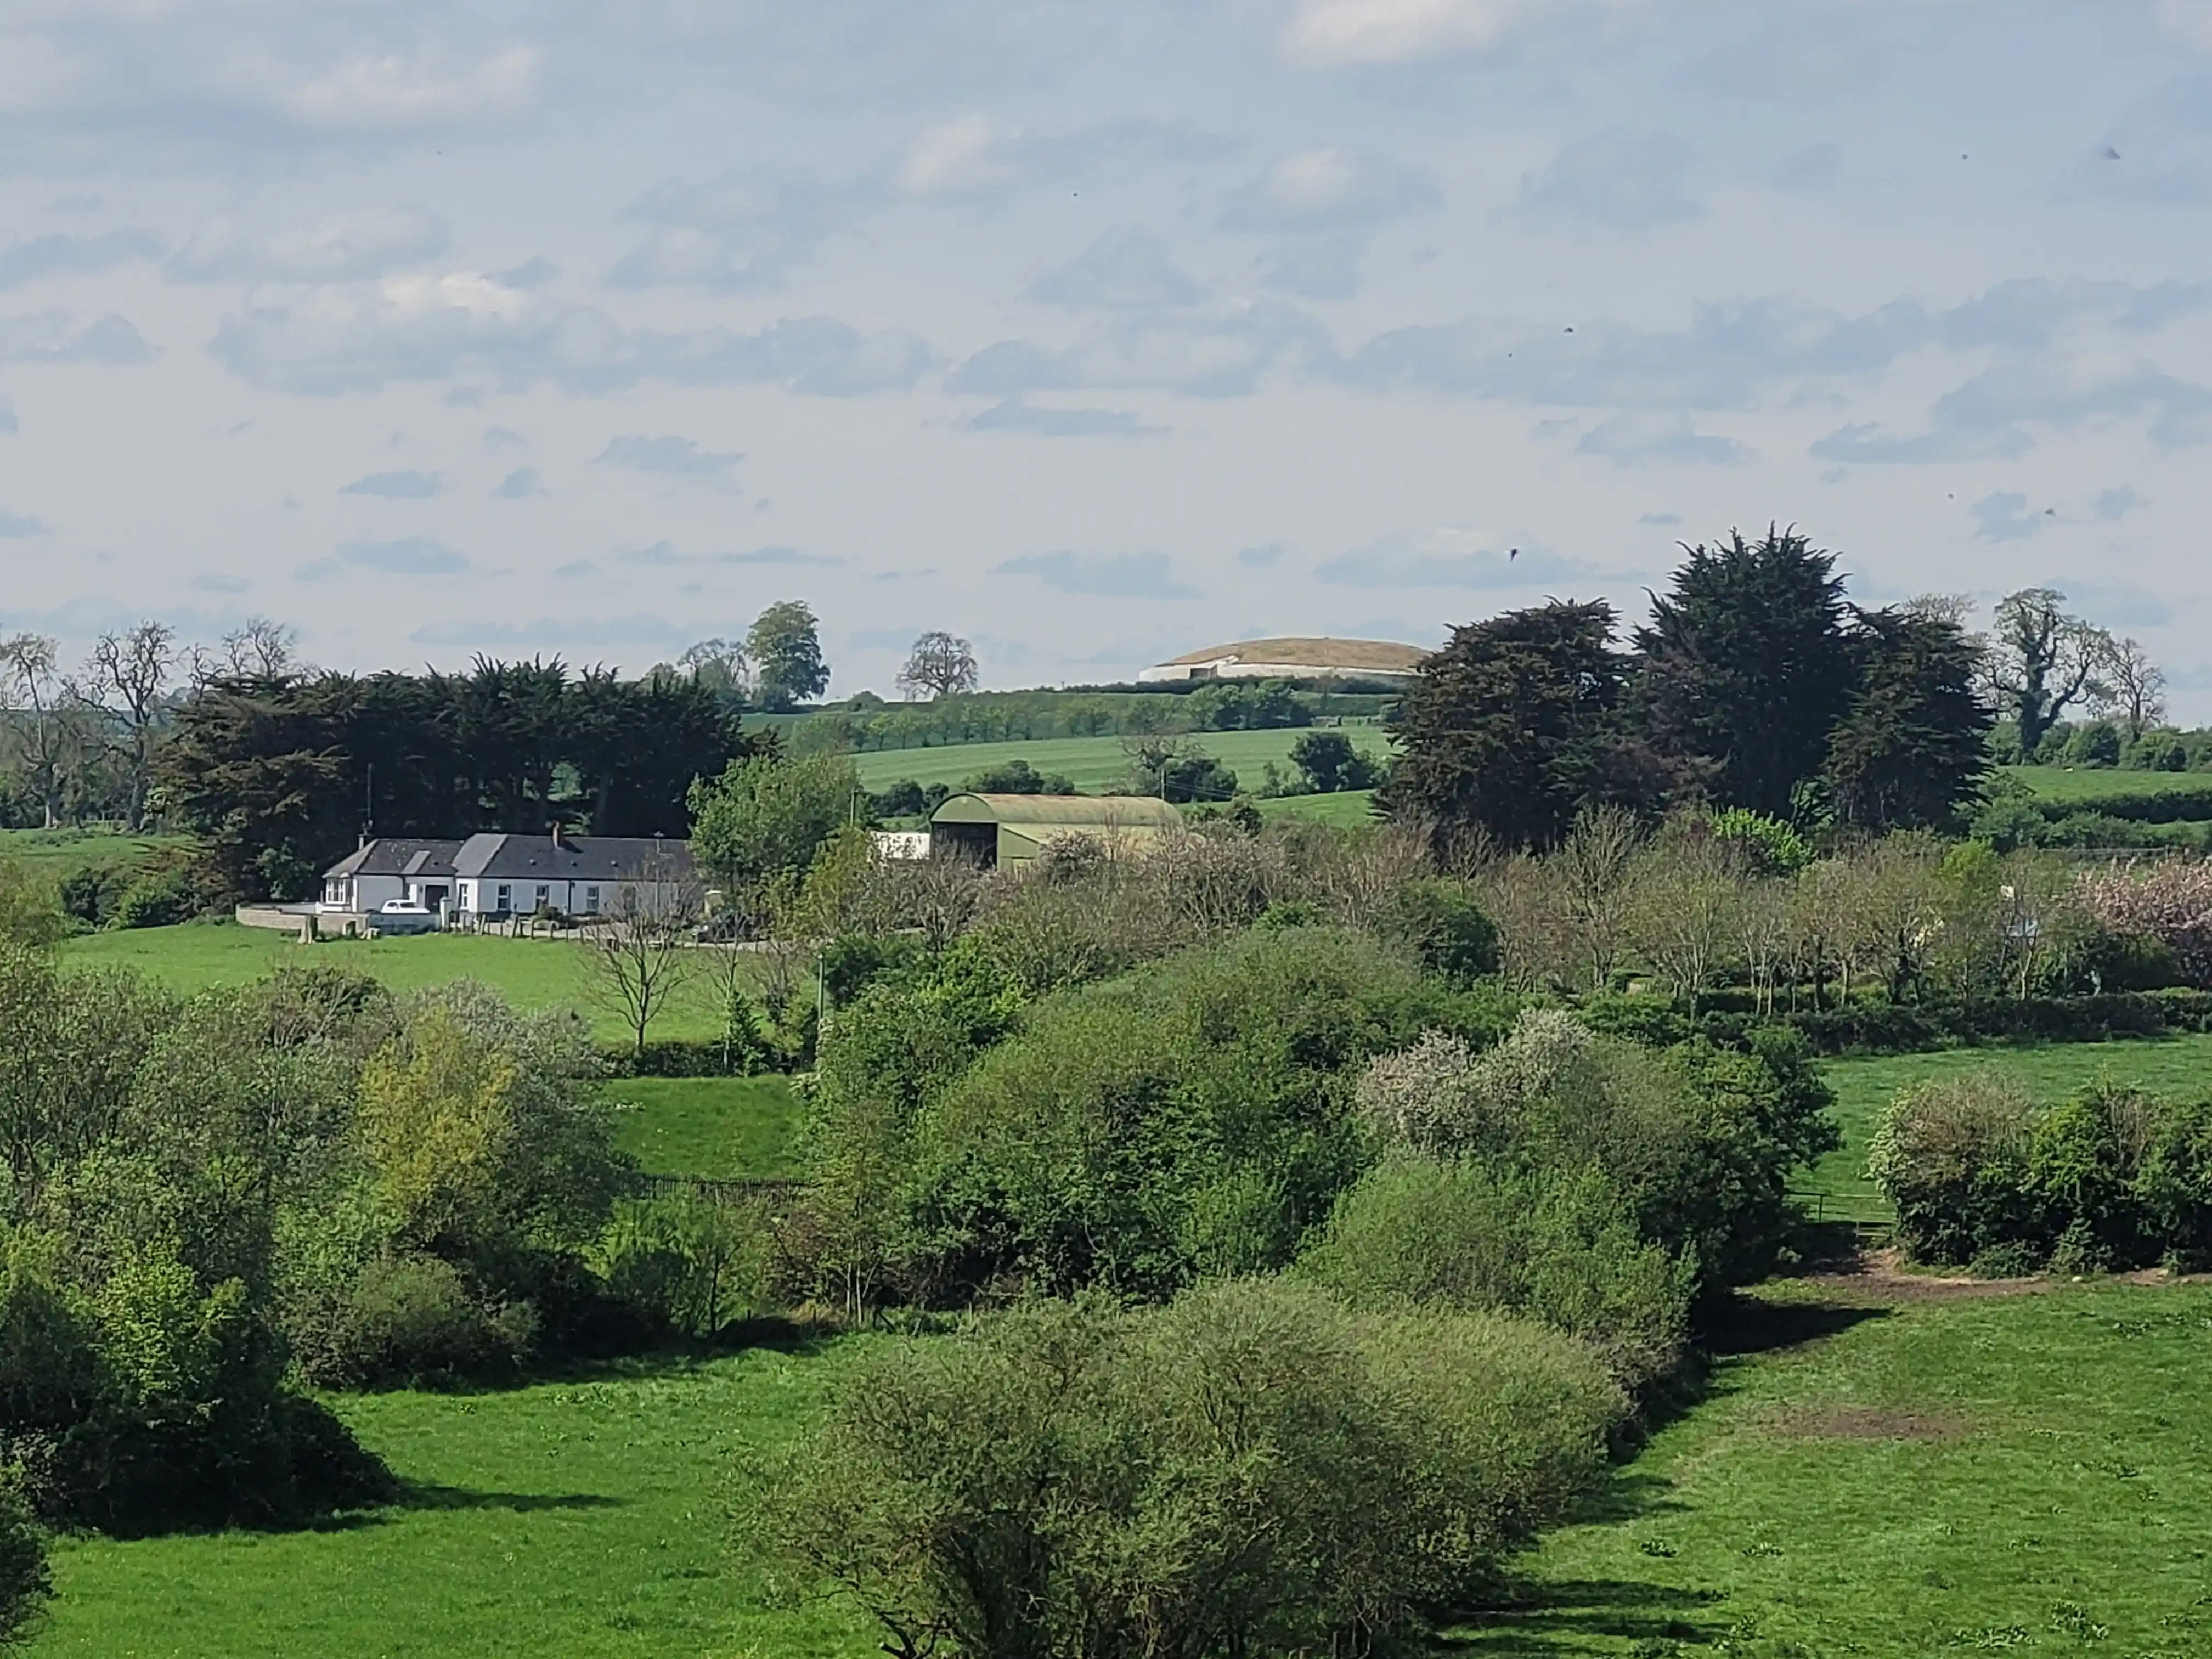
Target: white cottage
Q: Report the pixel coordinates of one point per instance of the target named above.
(497, 876)
(380, 871)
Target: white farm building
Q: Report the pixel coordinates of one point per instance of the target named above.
(1294, 659)
(493, 877)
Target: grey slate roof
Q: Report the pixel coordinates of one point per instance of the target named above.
(578, 858)
(388, 856)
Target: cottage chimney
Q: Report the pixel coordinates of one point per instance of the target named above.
(557, 843)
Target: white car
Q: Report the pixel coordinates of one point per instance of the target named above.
(406, 916)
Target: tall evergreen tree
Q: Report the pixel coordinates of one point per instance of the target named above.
(1745, 666)
(1514, 726)
(1913, 744)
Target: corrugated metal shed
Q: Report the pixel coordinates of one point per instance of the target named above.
(1010, 829)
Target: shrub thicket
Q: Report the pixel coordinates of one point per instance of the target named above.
(1252, 1470)
(1983, 1175)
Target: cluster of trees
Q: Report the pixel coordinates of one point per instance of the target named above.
(776, 666)
(1755, 684)
(207, 1203)
(1301, 1188)
(1984, 1177)
(281, 773)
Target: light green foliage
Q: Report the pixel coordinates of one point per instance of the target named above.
(1251, 1470)
(1768, 846)
(784, 647)
(1559, 1246)
(720, 1128)
(689, 1265)
(31, 913)
(768, 815)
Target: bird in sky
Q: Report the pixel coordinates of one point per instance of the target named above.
(1511, 554)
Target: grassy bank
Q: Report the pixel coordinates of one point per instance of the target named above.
(1094, 764)
(720, 1128)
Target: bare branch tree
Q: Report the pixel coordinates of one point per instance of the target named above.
(1594, 863)
(939, 665)
(640, 955)
(2133, 688)
(127, 677)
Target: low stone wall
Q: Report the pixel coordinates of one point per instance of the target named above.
(307, 924)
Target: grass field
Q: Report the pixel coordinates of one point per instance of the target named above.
(566, 1519)
(721, 1128)
(2085, 783)
(1094, 763)
(2175, 1065)
(57, 851)
(1345, 807)
(1994, 1474)
(530, 973)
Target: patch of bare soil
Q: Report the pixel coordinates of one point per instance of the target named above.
(1868, 1423)
(1881, 1275)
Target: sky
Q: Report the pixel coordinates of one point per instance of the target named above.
(1094, 333)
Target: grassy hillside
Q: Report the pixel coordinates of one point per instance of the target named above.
(1094, 763)
(55, 853)
(721, 1129)
(1346, 806)
(530, 973)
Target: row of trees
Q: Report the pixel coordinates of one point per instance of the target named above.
(1756, 684)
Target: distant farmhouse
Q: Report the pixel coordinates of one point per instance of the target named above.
(490, 877)
(1294, 659)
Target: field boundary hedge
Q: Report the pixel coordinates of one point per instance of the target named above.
(1892, 1028)
(2191, 804)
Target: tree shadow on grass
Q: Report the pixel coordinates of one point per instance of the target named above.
(418, 1495)
(1562, 1617)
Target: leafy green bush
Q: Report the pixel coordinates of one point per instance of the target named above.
(411, 1320)
(1951, 1156)
(2156, 751)
(90, 892)
(1253, 1470)
(1559, 1246)
(687, 1264)
(1444, 922)
(159, 898)
(25, 1583)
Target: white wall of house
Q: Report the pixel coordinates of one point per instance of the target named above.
(511, 896)
(354, 895)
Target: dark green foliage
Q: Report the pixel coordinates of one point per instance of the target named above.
(850, 962)
(1443, 921)
(2180, 803)
(1015, 777)
(2095, 742)
(25, 1583)
(1912, 746)
(1193, 778)
(785, 649)
(1252, 1471)
(159, 898)
(1329, 761)
(904, 799)
(281, 775)
(1558, 1245)
(2157, 752)
(1244, 706)
(89, 893)
(1515, 726)
(409, 1321)
(2112, 1177)
(1746, 668)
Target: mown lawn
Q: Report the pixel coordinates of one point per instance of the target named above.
(563, 1520)
(1094, 764)
(1346, 807)
(530, 973)
(2180, 1066)
(1990, 1474)
(721, 1129)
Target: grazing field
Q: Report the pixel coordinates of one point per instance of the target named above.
(564, 1519)
(57, 853)
(1941, 1475)
(530, 973)
(719, 1129)
(2089, 783)
(2179, 1067)
(1094, 763)
(1346, 806)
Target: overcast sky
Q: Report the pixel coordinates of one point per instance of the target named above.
(1096, 332)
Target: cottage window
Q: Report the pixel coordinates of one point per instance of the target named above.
(506, 897)
(592, 901)
(544, 895)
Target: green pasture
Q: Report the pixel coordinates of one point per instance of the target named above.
(564, 1519)
(1094, 763)
(58, 853)
(720, 1128)
(528, 973)
(2179, 1067)
(1982, 1474)
(1346, 807)
(2089, 783)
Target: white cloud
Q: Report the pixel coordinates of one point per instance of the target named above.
(676, 456)
(1619, 180)
(395, 91)
(52, 337)
(1448, 556)
(407, 486)
(1346, 32)
(67, 255)
(1643, 439)
(344, 248)
(1122, 271)
(962, 154)
(1328, 190)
